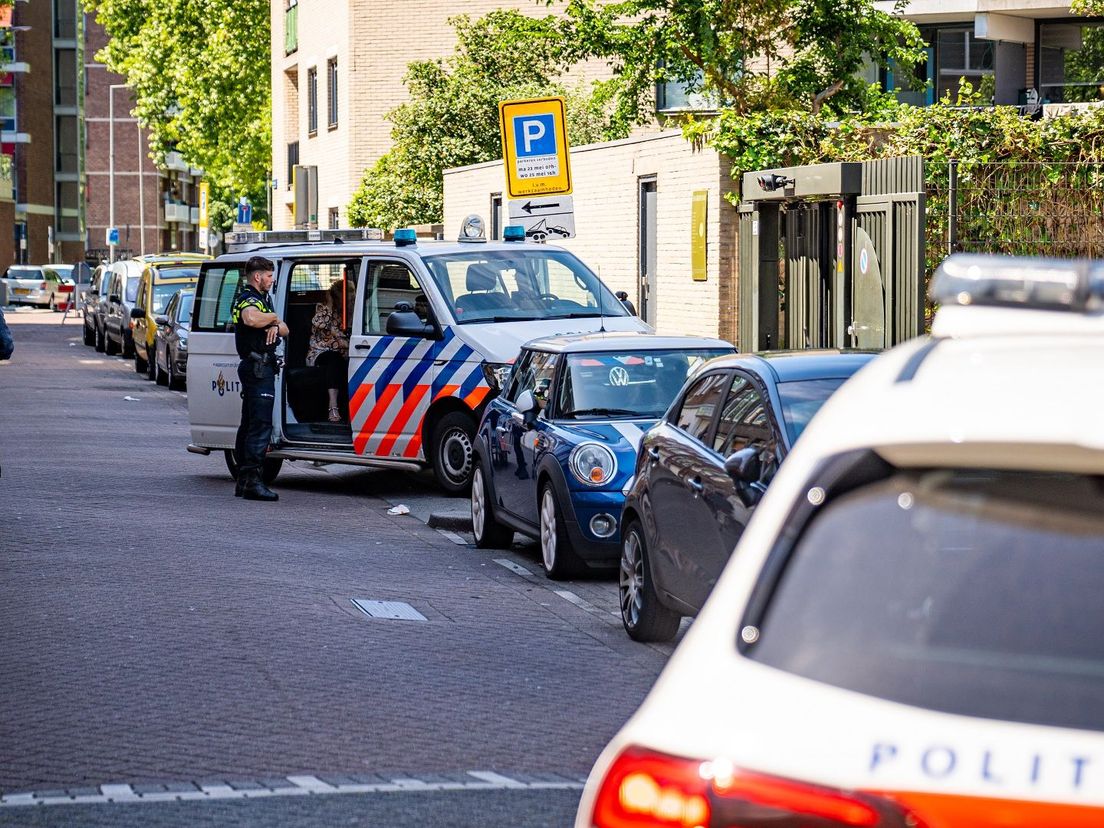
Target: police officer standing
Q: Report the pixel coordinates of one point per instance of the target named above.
(257, 332)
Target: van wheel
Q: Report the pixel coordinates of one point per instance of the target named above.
(141, 366)
(644, 617)
(451, 451)
(100, 340)
(159, 376)
(89, 336)
(269, 470)
(175, 381)
(110, 348)
(151, 365)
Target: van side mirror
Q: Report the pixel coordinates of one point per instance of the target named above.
(161, 320)
(408, 323)
(623, 298)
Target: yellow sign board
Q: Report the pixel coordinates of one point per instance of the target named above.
(699, 214)
(203, 201)
(534, 147)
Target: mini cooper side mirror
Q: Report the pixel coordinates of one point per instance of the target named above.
(526, 405)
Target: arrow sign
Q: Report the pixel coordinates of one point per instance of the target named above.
(545, 219)
(529, 206)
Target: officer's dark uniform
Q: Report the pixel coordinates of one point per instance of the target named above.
(257, 372)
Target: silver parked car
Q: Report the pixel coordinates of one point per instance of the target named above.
(94, 298)
(47, 286)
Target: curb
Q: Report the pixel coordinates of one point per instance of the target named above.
(453, 521)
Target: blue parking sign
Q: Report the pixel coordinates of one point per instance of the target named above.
(535, 135)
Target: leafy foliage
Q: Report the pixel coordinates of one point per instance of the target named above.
(744, 56)
(452, 117)
(200, 75)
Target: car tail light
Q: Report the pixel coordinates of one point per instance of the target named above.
(65, 288)
(654, 790)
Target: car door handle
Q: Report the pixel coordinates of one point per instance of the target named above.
(653, 452)
(362, 346)
(695, 485)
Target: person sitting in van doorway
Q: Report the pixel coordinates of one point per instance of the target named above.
(329, 341)
(257, 332)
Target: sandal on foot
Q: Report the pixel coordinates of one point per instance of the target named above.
(335, 415)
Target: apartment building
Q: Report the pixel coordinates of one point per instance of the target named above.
(1017, 52)
(154, 208)
(39, 131)
(337, 70)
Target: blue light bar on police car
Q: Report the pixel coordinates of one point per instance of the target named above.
(513, 232)
(1019, 281)
(405, 236)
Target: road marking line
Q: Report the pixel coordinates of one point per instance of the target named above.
(452, 536)
(303, 785)
(516, 568)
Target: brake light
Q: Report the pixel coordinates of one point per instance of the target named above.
(645, 789)
(65, 288)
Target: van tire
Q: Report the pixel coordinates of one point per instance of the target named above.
(110, 348)
(100, 340)
(452, 453)
(89, 336)
(141, 366)
(269, 471)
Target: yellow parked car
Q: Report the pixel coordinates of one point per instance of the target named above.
(162, 277)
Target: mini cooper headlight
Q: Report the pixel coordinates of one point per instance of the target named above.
(592, 464)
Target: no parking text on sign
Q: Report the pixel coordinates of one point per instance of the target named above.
(534, 147)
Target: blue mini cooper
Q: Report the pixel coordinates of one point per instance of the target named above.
(556, 449)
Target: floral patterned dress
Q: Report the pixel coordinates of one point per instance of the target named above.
(326, 334)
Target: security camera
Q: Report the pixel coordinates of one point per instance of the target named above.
(774, 181)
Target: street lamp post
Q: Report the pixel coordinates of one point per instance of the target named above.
(111, 162)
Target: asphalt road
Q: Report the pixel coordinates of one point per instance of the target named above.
(172, 655)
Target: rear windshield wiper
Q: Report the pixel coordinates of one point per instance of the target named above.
(600, 412)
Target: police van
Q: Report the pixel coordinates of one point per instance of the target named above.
(434, 327)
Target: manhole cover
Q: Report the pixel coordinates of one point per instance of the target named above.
(394, 610)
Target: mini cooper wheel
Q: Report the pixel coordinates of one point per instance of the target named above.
(489, 533)
(452, 452)
(557, 557)
(644, 617)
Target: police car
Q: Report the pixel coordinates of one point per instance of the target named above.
(433, 327)
(910, 631)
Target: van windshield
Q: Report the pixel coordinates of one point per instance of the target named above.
(523, 284)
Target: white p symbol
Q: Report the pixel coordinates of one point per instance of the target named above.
(531, 131)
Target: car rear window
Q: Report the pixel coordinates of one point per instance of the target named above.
(179, 272)
(24, 273)
(970, 592)
(801, 399)
(132, 288)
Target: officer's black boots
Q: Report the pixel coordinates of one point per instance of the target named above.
(239, 485)
(253, 488)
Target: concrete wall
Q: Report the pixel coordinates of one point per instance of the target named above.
(607, 219)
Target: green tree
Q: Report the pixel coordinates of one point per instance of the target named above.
(200, 75)
(452, 117)
(743, 55)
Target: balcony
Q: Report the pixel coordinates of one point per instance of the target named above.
(175, 161)
(177, 213)
(291, 28)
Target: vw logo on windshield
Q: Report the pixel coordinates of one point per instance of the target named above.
(618, 376)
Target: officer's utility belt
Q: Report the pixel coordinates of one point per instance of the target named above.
(261, 360)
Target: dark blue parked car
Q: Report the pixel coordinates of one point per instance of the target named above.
(703, 469)
(556, 449)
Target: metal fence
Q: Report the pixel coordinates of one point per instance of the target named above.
(1016, 207)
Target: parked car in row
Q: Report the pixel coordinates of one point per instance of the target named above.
(703, 469)
(47, 286)
(555, 450)
(94, 300)
(908, 633)
(160, 281)
(170, 348)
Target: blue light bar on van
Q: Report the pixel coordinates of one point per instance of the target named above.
(405, 236)
(513, 232)
(1019, 281)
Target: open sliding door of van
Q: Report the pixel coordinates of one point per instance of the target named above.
(214, 390)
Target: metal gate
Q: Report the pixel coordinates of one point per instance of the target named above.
(852, 239)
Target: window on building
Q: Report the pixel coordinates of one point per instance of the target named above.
(67, 144)
(331, 107)
(8, 119)
(67, 206)
(496, 216)
(291, 27)
(65, 20)
(953, 55)
(292, 161)
(312, 101)
(65, 77)
(675, 96)
(1071, 62)
(335, 218)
